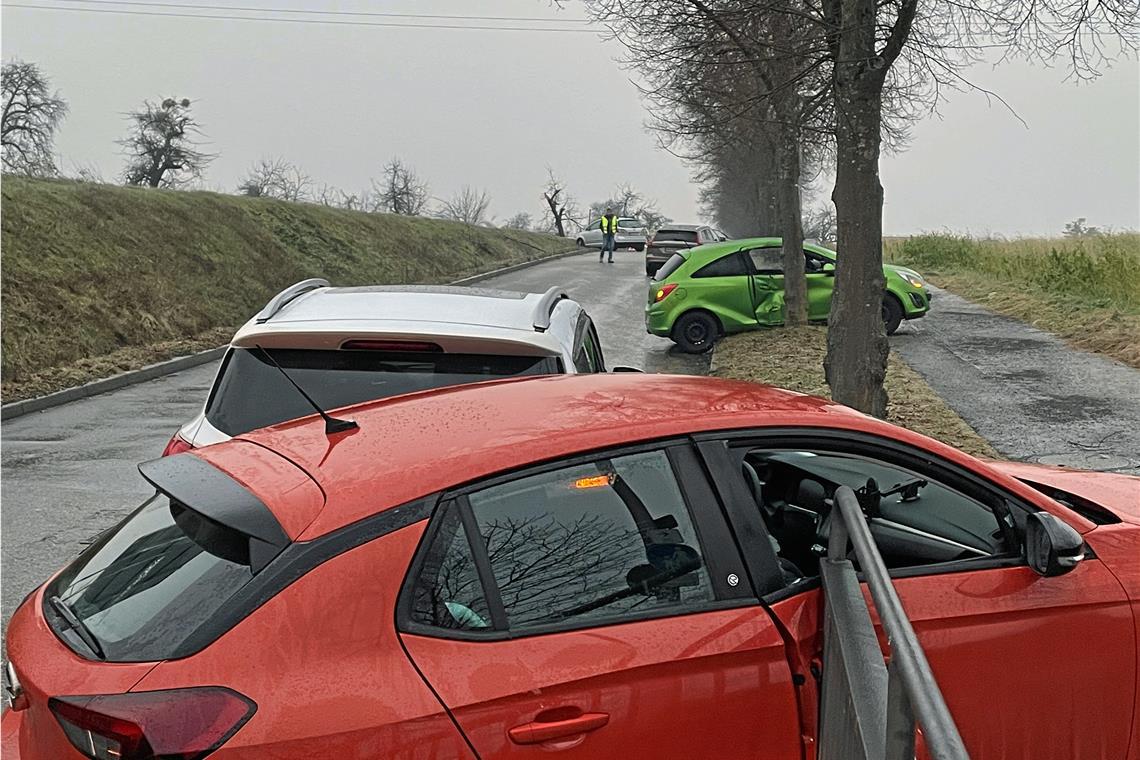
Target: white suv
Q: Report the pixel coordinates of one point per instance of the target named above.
(343, 346)
(631, 233)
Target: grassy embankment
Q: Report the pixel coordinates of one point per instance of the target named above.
(1086, 290)
(99, 279)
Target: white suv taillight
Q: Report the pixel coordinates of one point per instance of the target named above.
(173, 723)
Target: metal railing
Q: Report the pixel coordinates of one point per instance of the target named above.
(868, 708)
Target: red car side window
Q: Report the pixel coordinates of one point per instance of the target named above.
(571, 547)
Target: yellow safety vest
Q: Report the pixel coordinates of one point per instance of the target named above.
(609, 224)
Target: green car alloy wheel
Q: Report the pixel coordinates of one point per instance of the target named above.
(712, 290)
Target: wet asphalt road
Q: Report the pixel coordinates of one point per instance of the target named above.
(1033, 397)
(70, 472)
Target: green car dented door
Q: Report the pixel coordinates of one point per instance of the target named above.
(721, 288)
(768, 285)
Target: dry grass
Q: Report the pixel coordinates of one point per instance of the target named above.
(43, 382)
(1086, 290)
(96, 276)
(793, 359)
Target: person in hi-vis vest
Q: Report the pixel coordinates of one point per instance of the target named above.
(609, 229)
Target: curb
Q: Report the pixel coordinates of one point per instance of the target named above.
(180, 363)
(122, 380)
(516, 267)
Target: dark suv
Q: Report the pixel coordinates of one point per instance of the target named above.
(667, 240)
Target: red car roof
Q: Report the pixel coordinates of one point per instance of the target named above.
(410, 446)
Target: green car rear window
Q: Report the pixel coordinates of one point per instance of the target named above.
(669, 267)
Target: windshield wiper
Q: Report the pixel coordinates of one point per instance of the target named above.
(77, 625)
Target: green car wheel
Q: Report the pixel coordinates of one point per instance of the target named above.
(696, 332)
(892, 313)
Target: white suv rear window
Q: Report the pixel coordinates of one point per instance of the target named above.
(251, 393)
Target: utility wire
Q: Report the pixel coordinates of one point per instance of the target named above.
(321, 21)
(309, 11)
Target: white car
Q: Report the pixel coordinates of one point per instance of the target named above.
(631, 233)
(343, 346)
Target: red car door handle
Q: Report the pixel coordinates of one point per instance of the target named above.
(539, 731)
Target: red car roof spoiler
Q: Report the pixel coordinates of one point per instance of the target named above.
(203, 488)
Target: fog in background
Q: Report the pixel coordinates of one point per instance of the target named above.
(493, 109)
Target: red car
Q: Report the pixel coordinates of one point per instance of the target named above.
(608, 566)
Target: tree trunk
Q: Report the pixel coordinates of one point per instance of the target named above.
(857, 348)
(791, 229)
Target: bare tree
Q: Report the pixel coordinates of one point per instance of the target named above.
(627, 201)
(1078, 228)
(400, 191)
(819, 222)
(561, 208)
(878, 44)
(328, 195)
(161, 146)
(31, 116)
(276, 178)
(520, 221)
(738, 190)
(468, 206)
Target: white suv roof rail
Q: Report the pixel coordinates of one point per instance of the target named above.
(545, 308)
(278, 302)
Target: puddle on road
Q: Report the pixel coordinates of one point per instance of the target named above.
(1074, 408)
(1087, 460)
(1000, 344)
(1031, 375)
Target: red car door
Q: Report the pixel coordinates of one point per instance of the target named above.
(1030, 666)
(582, 609)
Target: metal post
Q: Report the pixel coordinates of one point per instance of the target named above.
(900, 718)
(868, 710)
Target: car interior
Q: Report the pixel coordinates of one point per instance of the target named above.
(914, 520)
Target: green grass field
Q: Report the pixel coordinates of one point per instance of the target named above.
(95, 270)
(1086, 290)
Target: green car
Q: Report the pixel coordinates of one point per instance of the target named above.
(712, 290)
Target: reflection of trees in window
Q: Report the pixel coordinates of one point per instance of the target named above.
(448, 576)
(546, 568)
(148, 561)
(590, 540)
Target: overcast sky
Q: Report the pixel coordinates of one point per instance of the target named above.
(495, 108)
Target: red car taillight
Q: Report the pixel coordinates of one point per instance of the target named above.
(663, 292)
(174, 724)
(177, 445)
